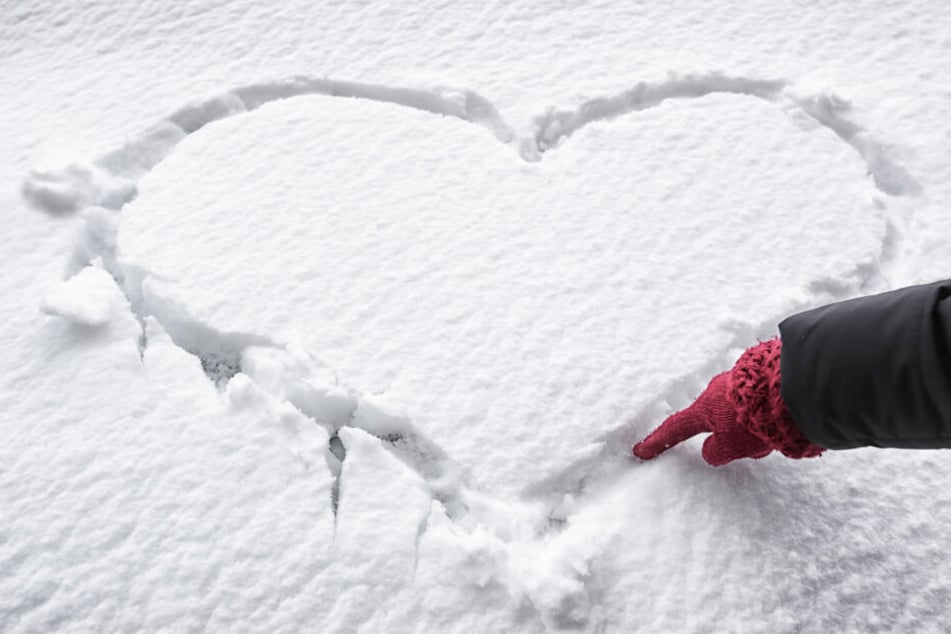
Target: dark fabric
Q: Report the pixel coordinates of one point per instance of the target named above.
(873, 371)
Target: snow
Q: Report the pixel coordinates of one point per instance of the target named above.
(343, 317)
(90, 298)
(479, 292)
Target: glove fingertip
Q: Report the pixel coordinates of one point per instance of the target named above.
(643, 451)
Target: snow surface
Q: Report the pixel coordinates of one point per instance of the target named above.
(343, 317)
(484, 297)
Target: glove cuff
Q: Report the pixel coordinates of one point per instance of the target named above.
(754, 389)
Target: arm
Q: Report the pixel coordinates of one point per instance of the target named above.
(872, 371)
(869, 371)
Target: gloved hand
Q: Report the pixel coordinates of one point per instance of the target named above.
(745, 412)
(711, 412)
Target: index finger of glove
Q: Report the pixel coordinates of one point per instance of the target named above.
(676, 429)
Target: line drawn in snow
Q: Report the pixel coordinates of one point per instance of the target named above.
(890, 177)
(110, 181)
(556, 125)
(827, 110)
(577, 479)
(336, 454)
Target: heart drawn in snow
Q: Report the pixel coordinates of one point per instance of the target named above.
(512, 313)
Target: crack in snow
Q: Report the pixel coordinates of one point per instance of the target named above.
(417, 542)
(336, 454)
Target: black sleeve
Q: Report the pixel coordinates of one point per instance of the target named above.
(872, 371)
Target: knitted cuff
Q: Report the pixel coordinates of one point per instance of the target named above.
(754, 389)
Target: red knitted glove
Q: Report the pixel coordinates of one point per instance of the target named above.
(745, 411)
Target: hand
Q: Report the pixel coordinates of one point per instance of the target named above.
(711, 412)
(744, 411)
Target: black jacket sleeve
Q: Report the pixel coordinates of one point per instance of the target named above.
(872, 371)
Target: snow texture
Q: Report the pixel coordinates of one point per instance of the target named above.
(480, 293)
(350, 312)
(89, 298)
